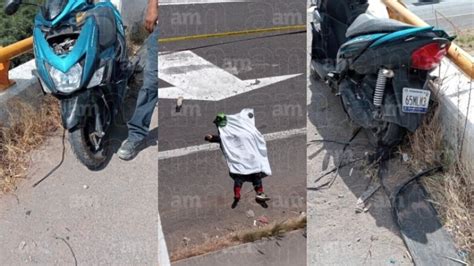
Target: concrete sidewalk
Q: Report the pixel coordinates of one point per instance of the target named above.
(81, 217)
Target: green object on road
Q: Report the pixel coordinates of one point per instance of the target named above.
(221, 119)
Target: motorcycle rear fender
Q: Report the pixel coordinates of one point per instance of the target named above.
(360, 106)
(74, 109)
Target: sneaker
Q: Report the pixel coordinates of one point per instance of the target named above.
(262, 197)
(129, 149)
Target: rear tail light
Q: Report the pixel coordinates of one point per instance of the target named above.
(429, 56)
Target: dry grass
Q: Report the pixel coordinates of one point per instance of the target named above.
(465, 40)
(28, 129)
(450, 191)
(272, 230)
(234, 239)
(136, 36)
(427, 143)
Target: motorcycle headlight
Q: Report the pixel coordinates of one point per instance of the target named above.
(96, 79)
(69, 81)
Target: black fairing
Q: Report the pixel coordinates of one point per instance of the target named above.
(363, 59)
(336, 16)
(74, 109)
(106, 24)
(358, 99)
(52, 8)
(391, 55)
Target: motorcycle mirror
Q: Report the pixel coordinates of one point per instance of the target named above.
(11, 6)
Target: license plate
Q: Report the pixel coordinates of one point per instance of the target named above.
(415, 100)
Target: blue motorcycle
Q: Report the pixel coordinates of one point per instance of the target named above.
(379, 67)
(81, 59)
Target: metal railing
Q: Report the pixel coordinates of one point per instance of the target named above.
(397, 10)
(7, 54)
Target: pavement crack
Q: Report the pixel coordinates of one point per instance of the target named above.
(70, 248)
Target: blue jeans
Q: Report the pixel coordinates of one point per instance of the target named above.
(139, 124)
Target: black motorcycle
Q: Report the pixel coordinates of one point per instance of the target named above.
(379, 67)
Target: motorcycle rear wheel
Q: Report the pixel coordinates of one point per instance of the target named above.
(388, 135)
(85, 151)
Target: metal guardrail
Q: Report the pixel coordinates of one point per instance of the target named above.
(7, 54)
(397, 10)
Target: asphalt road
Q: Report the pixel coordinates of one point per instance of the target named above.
(450, 15)
(192, 19)
(195, 190)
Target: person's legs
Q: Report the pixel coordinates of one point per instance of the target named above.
(139, 124)
(258, 186)
(238, 182)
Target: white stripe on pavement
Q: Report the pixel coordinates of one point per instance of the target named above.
(162, 155)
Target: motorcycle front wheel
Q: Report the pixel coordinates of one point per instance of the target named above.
(81, 140)
(387, 135)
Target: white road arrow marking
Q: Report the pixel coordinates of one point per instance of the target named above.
(195, 78)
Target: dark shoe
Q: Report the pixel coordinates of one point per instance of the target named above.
(262, 203)
(261, 197)
(234, 204)
(129, 149)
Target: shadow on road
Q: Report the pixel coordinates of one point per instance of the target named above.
(334, 129)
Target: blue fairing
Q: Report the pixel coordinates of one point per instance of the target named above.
(369, 37)
(86, 47)
(86, 44)
(400, 34)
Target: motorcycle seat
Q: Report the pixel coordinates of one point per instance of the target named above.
(368, 24)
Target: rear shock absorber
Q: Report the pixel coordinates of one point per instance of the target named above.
(382, 77)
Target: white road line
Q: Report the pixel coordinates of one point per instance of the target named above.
(214, 146)
(197, 2)
(195, 78)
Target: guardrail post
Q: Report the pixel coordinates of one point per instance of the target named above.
(7, 54)
(5, 82)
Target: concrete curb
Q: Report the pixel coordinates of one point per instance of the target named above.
(26, 89)
(288, 250)
(457, 110)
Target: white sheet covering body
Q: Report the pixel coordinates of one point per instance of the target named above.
(244, 147)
